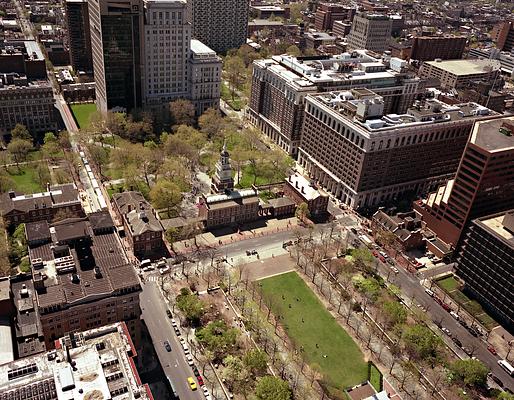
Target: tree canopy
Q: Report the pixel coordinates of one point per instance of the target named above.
(473, 373)
(191, 306)
(272, 388)
(218, 338)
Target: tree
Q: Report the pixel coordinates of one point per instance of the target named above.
(505, 396)
(218, 338)
(235, 72)
(294, 51)
(363, 259)
(212, 123)
(234, 371)
(42, 173)
(420, 343)
(64, 140)
(99, 156)
(191, 306)
(472, 373)
(393, 313)
(296, 10)
(19, 148)
(272, 388)
(20, 132)
(6, 183)
(256, 361)
(51, 147)
(182, 112)
(166, 194)
(302, 211)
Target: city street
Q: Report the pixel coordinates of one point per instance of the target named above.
(173, 363)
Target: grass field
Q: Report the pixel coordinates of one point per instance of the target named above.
(319, 333)
(25, 179)
(375, 378)
(247, 177)
(236, 103)
(82, 113)
(451, 286)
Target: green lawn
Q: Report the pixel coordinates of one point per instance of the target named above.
(236, 103)
(319, 334)
(449, 283)
(247, 178)
(25, 179)
(375, 378)
(82, 113)
(451, 286)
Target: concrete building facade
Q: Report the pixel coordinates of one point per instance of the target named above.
(221, 25)
(167, 36)
(370, 32)
(366, 157)
(204, 77)
(457, 74)
(79, 35)
(280, 85)
(328, 13)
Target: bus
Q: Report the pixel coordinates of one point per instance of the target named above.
(506, 366)
(172, 387)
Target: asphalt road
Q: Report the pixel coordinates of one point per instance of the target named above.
(173, 363)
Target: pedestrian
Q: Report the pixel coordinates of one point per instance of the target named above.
(303, 320)
(290, 305)
(317, 346)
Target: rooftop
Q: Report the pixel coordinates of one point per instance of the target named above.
(309, 72)
(466, 67)
(57, 195)
(494, 135)
(92, 365)
(198, 47)
(366, 111)
(303, 186)
(137, 212)
(76, 264)
(500, 225)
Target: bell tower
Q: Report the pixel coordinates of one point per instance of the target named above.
(222, 179)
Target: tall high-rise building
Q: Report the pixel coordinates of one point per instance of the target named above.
(483, 185)
(486, 264)
(327, 13)
(370, 32)
(166, 51)
(116, 28)
(503, 35)
(222, 24)
(79, 36)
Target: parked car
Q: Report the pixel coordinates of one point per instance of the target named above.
(164, 270)
(446, 330)
(200, 380)
(390, 261)
(429, 292)
(446, 306)
(192, 383)
(467, 351)
(492, 350)
(167, 346)
(395, 270)
(195, 371)
(173, 323)
(168, 313)
(383, 254)
(381, 258)
(495, 379)
(455, 315)
(190, 360)
(457, 341)
(206, 393)
(177, 331)
(375, 253)
(248, 253)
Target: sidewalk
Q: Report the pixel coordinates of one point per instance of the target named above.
(217, 238)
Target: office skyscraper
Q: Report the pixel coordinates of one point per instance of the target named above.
(116, 28)
(166, 51)
(79, 36)
(370, 32)
(222, 24)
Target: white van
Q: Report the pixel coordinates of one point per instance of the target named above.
(506, 366)
(145, 263)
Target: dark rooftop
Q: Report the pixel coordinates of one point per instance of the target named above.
(101, 220)
(36, 231)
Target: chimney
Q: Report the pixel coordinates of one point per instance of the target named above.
(303, 190)
(129, 208)
(12, 195)
(296, 184)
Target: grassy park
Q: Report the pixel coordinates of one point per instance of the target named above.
(25, 178)
(82, 113)
(451, 286)
(311, 327)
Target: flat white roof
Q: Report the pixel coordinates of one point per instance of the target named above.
(466, 67)
(303, 187)
(200, 48)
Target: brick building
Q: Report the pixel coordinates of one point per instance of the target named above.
(300, 190)
(430, 48)
(280, 85)
(406, 228)
(57, 202)
(327, 13)
(232, 208)
(486, 264)
(80, 279)
(483, 184)
(143, 229)
(366, 157)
